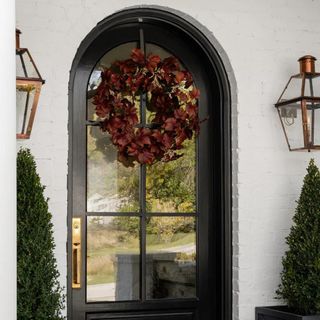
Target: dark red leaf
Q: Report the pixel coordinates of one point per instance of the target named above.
(195, 93)
(170, 64)
(152, 62)
(179, 76)
(137, 56)
(146, 157)
(167, 140)
(170, 124)
(192, 110)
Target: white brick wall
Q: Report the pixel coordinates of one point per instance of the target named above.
(262, 40)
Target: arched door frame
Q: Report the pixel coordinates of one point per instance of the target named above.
(223, 222)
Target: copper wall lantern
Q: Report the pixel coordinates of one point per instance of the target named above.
(28, 87)
(299, 107)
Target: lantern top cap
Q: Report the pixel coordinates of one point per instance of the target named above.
(26, 69)
(308, 56)
(307, 64)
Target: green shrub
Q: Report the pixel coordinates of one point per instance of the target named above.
(300, 278)
(38, 290)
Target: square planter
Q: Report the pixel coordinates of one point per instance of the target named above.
(280, 313)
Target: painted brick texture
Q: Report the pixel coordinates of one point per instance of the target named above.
(259, 42)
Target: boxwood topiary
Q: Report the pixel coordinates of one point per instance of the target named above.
(300, 278)
(39, 294)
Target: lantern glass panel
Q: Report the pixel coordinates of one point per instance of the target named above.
(25, 94)
(312, 86)
(293, 89)
(313, 118)
(24, 65)
(291, 118)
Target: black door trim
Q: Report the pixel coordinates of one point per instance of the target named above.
(223, 222)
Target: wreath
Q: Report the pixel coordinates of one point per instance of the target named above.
(171, 101)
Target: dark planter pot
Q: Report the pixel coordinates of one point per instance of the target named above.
(280, 313)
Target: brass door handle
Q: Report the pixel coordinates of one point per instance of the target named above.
(76, 253)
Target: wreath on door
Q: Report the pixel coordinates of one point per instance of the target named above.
(171, 99)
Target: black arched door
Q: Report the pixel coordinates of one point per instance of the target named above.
(148, 242)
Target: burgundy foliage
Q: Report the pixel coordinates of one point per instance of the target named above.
(171, 99)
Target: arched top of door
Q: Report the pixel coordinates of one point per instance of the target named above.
(158, 23)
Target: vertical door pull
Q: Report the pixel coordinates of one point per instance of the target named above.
(76, 253)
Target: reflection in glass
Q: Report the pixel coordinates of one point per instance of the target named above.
(113, 258)
(171, 186)
(121, 52)
(171, 257)
(111, 187)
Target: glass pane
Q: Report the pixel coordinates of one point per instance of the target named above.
(312, 88)
(293, 90)
(24, 66)
(113, 258)
(121, 52)
(171, 186)
(291, 117)
(313, 117)
(171, 257)
(156, 50)
(25, 96)
(111, 187)
(316, 120)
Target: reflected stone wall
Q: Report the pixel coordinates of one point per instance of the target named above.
(166, 277)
